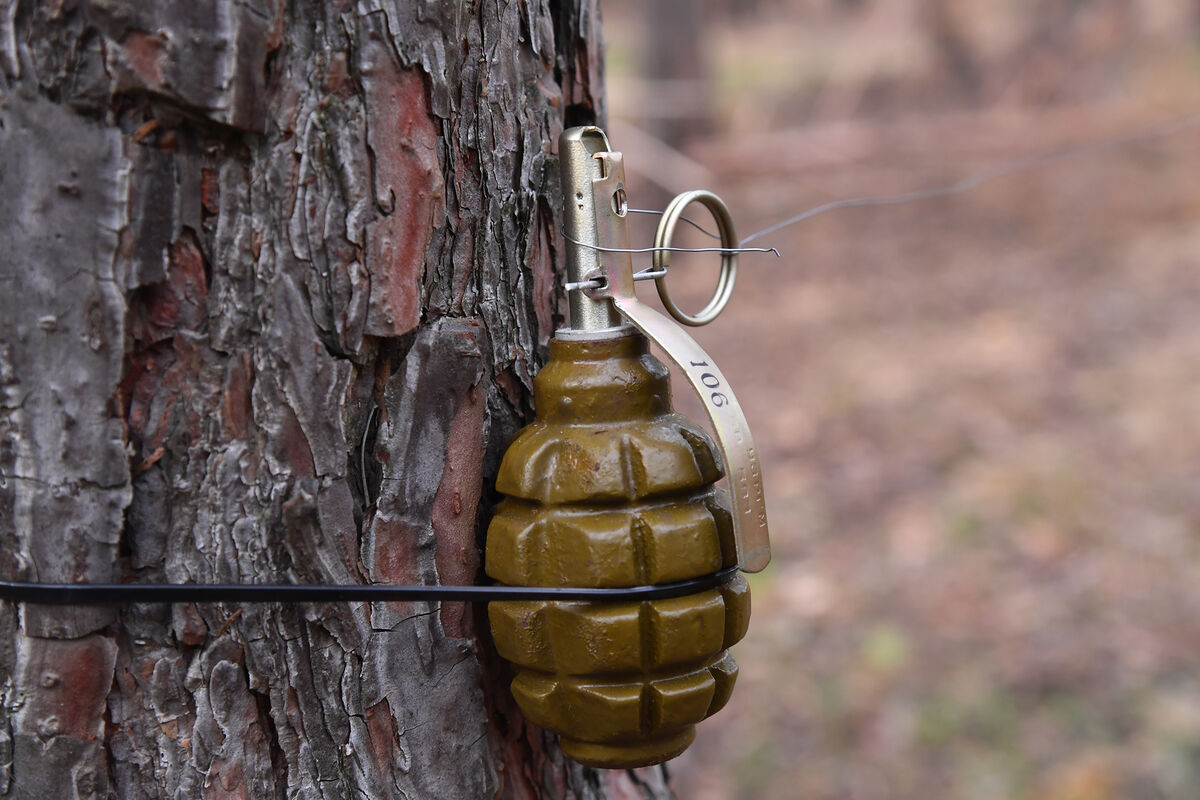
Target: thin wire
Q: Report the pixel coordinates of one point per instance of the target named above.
(1150, 133)
(362, 457)
(690, 222)
(1156, 131)
(671, 249)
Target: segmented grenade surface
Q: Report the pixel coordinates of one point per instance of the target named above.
(609, 488)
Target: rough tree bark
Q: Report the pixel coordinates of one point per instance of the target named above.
(276, 276)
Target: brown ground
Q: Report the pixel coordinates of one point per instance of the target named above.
(979, 419)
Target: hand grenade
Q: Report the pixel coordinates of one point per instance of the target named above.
(610, 488)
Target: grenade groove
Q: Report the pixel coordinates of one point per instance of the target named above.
(610, 488)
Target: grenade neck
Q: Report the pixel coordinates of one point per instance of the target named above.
(601, 380)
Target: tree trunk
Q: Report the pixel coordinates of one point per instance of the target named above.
(276, 278)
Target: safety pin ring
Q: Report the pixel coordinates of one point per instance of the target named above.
(729, 245)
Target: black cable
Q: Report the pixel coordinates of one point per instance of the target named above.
(94, 594)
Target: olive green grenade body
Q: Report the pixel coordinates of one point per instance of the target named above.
(610, 488)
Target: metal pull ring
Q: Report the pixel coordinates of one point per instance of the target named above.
(662, 255)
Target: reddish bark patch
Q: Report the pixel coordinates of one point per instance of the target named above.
(403, 135)
(146, 128)
(275, 35)
(295, 445)
(514, 390)
(144, 53)
(337, 76)
(160, 365)
(210, 190)
(551, 94)
(226, 781)
(155, 313)
(189, 280)
(236, 406)
(143, 369)
(456, 508)
(520, 757)
(381, 727)
(516, 745)
(192, 631)
(159, 310)
(395, 559)
(541, 264)
(65, 684)
(587, 63)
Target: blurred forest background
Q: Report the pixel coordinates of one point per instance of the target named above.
(980, 415)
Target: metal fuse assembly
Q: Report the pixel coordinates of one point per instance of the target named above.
(609, 487)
